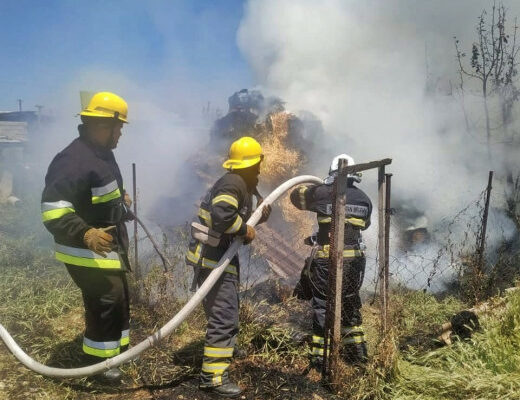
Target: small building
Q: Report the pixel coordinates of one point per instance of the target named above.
(13, 137)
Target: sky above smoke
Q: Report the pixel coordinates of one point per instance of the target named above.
(168, 59)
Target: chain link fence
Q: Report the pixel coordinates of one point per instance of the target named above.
(442, 259)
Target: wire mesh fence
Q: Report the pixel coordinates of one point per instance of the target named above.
(452, 257)
(442, 258)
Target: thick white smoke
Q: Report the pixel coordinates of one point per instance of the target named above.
(158, 139)
(363, 69)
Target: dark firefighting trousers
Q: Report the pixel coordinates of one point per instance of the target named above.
(107, 310)
(221, 308)
(353, 348)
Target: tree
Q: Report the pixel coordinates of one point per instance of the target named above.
(493, 64)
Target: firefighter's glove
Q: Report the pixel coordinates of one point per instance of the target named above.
(250, 234)
(266, 212)
(98, 240)
(127, 200)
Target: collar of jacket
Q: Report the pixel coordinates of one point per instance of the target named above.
(329, 180)
(250, 190)
(101, 152)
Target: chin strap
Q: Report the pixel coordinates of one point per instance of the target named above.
(113, 131)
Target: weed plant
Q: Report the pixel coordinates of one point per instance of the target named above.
(485, 367)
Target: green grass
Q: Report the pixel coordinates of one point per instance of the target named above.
(43, 310)
(485, 367)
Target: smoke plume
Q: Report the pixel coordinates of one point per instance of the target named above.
(380, 76)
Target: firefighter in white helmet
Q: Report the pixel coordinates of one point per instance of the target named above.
(313, 284)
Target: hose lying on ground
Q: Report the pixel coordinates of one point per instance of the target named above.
(171, 325)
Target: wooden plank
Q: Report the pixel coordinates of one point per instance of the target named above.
(369, 165)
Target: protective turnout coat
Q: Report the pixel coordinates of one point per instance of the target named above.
(225, 209)
(84, 189)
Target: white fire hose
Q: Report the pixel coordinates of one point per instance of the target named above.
(171, 325)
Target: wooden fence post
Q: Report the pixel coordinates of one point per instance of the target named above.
(337, 235)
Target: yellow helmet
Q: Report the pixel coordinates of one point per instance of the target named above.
(106, 105)
(243, 153)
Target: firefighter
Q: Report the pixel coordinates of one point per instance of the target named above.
(84, 207)
(223, 213)
(313, 284)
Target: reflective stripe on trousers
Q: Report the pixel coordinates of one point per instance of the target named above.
(352, 335)
(221, 309)
(101, 349)
(125, 338)
(215, 363)
(318, 346)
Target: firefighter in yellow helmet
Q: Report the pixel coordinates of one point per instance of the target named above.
(84, 207)
(223, 213)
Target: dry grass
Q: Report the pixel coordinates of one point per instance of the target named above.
(42, 308)
(281, 161)
(302, 223)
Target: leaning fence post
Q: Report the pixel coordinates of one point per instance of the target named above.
(484, 223)
(136, 241)
(337, 233)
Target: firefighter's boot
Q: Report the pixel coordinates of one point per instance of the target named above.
(355, 353)
(229, 390)
(316, 363)
(239, 352)
(112, 375)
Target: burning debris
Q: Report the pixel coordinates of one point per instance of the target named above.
(282, 136)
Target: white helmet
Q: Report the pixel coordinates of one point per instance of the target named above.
(333, 170)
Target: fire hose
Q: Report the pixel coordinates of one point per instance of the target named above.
(171, 325)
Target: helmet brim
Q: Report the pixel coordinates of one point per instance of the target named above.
(97, 114)
(241, 164)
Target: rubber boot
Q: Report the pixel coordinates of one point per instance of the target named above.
(316, 363)
(112, 375)
(355, 354)
(239, 352)
(228, 390)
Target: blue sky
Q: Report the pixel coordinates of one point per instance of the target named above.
(46, 45)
